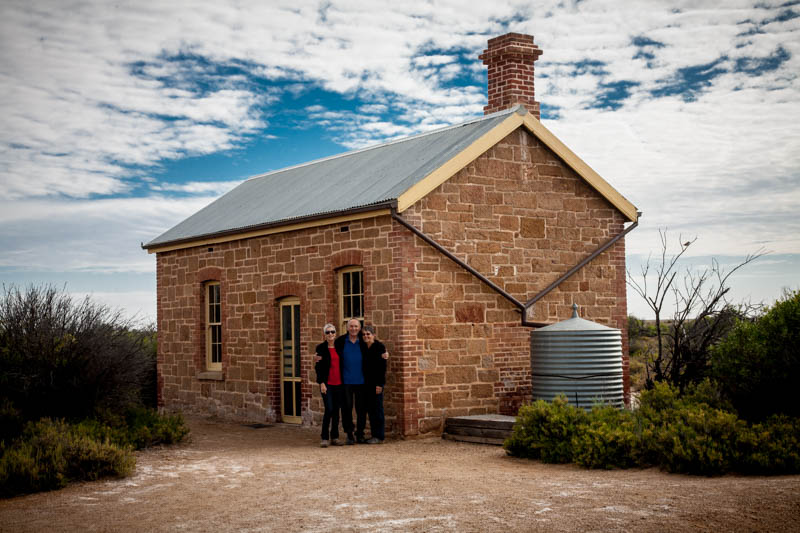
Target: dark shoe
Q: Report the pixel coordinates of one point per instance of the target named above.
(350, 440)
(336, 442)
(361, 440)
(323, 443)
(374, 440)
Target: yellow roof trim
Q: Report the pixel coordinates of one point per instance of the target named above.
(420, 189)
(578, 165)
(269, 231)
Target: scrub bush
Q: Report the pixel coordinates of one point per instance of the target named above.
(696, 440)
(544, 430)
(75, 383)
(679, 434)
(138, 428)
(758, 364)
(66, 358)
(608, 440)
(770, 447)
(51, 453)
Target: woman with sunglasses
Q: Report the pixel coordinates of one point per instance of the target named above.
(329, 377)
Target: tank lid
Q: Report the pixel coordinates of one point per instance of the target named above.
(575, 323)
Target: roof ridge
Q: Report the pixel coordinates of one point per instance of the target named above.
(515, 109)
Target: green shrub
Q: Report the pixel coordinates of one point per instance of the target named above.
(758, 364)
(544, 430)
(138, 428)
(49, 454)
(770, 447)
(147, 428)
(698, 440)
(688, 434)
(708, 392)
(608, 441)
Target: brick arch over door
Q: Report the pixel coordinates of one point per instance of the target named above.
(290, 288)
(203, 276)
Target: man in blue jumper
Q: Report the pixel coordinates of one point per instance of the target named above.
(351, 348)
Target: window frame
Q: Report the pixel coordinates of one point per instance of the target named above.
(343, 317)
(210, 325)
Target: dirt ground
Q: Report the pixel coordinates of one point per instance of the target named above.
(235, 478)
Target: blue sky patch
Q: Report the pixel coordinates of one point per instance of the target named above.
(689, 82)
(755, 66)
(612, 95)
(645, 47)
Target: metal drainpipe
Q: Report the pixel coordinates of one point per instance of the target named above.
(523, 308)
(582, 264)
(519, 305)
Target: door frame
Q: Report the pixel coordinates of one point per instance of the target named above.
(295, 362)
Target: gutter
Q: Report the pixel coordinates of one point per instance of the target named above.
(521, 307)
(199, 239)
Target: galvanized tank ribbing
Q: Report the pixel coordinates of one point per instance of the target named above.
(580, 359)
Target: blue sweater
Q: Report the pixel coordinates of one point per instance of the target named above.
(352, 363)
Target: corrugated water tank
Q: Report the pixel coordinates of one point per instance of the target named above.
(579, 358)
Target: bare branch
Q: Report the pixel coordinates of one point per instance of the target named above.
(701, 316)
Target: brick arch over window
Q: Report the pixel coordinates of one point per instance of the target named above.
(346, 258)
(209, 274)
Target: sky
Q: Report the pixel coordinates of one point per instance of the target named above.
(121, 119)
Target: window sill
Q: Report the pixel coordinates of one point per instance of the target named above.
(212, 375)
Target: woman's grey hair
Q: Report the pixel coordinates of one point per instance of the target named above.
(328, 326)
(370, 329)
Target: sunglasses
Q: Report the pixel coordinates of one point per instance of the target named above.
(330, 332)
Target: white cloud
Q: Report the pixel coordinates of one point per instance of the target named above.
(100, 235)
(95, 92)
(140, 306)
(213, 188)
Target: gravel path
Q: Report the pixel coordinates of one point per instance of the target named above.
(234, 478)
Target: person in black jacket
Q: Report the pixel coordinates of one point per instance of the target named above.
(329, 376)
(375, 381)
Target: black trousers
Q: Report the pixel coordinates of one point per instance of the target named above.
(377, 420)
(333, 401)
(354, 396)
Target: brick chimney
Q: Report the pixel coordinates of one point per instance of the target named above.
(509, 59)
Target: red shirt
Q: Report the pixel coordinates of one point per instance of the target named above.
(334, 375)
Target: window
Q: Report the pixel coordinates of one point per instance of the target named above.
(213, 327)
(351, 295)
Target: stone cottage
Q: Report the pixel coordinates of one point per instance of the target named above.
(454, 244)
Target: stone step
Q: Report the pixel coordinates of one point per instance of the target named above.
(482, 429)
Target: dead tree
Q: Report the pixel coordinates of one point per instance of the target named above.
(701, 317)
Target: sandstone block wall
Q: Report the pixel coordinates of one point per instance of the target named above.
(522, 218)
(254, 275)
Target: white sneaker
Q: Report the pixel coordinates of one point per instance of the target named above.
(323, 443)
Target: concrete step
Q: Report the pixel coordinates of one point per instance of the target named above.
(482, 429)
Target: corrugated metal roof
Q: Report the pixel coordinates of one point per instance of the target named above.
(372, 176)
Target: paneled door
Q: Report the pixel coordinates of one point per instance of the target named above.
(291, 397)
